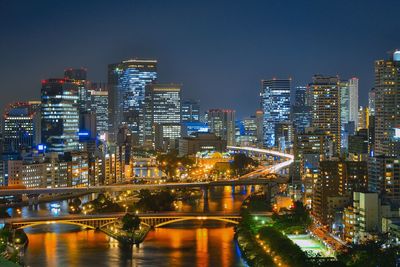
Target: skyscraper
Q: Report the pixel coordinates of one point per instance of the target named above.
(60, 115)
(326, 107)
(190, 111)
(222, 123)
(162, 114)
(275, 102)
(21, 126)
(99, 105)
(349, 102)
(387, 111)
(79, 76)
(127, 81)
(301, 115)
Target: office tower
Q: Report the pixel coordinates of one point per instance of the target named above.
(284, 135)
(363, 118)
(99, 106)
(60, 115)
(349, 101)
(190, 128)
(127, 81)
(275, 102)
(326, 107)
(259, 122)
(301, 114)
(222, 123)
(246, 134)
(162, 115)
(21, 126)
(387, 111)
(300, 96)
(79, 77)
(190, 111)
(371, 101)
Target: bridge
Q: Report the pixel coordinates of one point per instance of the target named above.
(125, 187)
(276, 168)
(103, 220)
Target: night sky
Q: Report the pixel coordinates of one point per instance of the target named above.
(219, 50)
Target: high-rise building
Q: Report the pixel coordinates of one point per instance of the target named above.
(333, 189)
(99, 106)
(190, 111)
(301, 110)
(371, 101)
(275, 102)
(21, 126)
(349, 101)
(222, 123)
(127, 81)
(162, 111)
(259, 122)
(384, 177)
(387, 111)
(79, 76)
(247, 132)
(363, 118)
(326, 107)
(309, 149)
(60, 115)
(284, 135)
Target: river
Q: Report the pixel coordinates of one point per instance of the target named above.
(185, 244)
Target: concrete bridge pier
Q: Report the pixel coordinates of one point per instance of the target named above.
(267, 193)
(205, 190)
(33, 199)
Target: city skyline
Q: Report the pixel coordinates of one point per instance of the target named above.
(235, 72)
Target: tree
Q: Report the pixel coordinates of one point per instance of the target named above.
(241, 162)
(77, 201)
(130, 222)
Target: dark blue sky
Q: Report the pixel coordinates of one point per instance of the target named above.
(219, 50)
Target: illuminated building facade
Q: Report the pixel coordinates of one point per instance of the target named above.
(127, 81)
(190, 111)
(21, 126)
(387, 111)
(326, 108)
(99, 106)
(162, 113)
(222, 123)
(60, 115)
(301, 114)
(275, 102)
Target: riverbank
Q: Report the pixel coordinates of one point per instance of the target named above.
(265, 242)
(6, 263)
(45, 199)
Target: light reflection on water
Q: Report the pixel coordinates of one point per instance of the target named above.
(185, 244)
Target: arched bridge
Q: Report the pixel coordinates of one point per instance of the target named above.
(101, 221)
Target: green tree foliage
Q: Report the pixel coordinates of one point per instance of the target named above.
(370, 255)
(130, 222)
(169, 162)
(241, 162)
(77, 201)
(158, 201)
(20, 237)
(296, 221)
(4, 213)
